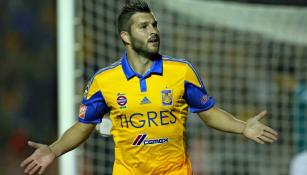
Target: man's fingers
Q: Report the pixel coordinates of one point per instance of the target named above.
(34, 144)
(30, 166)
(41, 171)
(261, 115)
(259, 141)
(29, 159)
(266, 139)
(270, 135)
(34, 169)
(270, 130)
(25, 162)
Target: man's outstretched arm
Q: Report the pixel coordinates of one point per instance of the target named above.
(44, 155)
(252, 129)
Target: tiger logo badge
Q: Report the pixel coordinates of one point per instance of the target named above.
(167, 97)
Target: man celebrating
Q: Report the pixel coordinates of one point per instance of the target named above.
(148, 96)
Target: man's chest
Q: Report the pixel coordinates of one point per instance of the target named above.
(159, 105)
(153, 93)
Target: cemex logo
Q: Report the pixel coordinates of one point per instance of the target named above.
(141, 139)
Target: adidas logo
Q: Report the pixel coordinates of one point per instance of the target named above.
(145, 101)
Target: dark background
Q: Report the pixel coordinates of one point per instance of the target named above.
(28, 82)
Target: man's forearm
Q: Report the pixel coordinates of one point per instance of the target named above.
(222, 120)
(72, 138)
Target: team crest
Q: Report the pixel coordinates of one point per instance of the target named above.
(167, 97)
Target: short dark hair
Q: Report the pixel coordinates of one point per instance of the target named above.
(132, 7)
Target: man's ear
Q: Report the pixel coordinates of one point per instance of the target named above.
(125, 37)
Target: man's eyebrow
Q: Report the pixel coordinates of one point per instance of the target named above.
(147, 22)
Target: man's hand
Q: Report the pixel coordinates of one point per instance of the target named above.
(259, 132)
(39, 160)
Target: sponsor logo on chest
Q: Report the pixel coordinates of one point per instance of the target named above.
(141, 138)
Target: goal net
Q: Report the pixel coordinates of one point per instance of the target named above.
(251, 57)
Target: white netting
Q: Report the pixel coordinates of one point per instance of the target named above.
(251, 57)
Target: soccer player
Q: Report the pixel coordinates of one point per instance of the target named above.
(148, 96)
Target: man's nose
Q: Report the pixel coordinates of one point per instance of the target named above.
(153, 30)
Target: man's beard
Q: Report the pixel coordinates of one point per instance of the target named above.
(143, 50)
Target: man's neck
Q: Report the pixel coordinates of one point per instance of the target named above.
(140, 64)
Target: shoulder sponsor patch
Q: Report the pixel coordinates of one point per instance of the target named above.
(82, 111)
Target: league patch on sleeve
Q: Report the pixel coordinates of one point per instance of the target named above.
(82, 111)
(204, 99)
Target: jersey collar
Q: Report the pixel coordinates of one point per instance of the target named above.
(156, 68)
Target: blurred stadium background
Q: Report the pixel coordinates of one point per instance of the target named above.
(251, 55)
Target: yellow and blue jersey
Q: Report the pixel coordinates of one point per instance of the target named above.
(148, 113)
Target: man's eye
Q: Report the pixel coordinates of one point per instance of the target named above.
(143, 26)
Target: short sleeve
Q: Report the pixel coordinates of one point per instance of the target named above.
(195, 92)
(93, 105)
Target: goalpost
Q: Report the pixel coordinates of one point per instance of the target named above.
(66, 79)
(251, 57)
